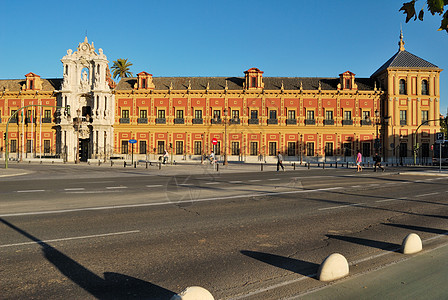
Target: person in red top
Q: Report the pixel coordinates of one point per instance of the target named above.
(358, 161)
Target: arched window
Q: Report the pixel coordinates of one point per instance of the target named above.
(402, 87)
(425, 90)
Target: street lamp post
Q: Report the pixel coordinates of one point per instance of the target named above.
(202, 149)
(78, 113)
(225, 137)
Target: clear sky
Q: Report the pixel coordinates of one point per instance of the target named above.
(219, 38)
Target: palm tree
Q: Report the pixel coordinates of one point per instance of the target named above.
(120, 68)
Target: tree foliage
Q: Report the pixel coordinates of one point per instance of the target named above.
(120, 68)
(433, 6)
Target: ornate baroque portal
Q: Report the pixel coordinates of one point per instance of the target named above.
(85, 128)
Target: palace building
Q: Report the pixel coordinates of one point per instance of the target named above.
(86, 116)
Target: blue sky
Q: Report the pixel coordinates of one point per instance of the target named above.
(219, 38)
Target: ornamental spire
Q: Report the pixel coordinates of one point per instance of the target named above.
(401, 42)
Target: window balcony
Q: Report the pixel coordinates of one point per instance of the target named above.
(160, 120)
(125, 121)
(15, 120)
(197, 121)
(216, 121)
(179, 121)
(347, 122)
(142, 121)
(328, 122)
(234, 121)
(273, 121)
(403, 122)
(310, 122)
(46, 120)
(291, 121)
(366, 122)
(253, 121)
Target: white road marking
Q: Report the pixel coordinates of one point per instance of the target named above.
(30, 191)
(429, 194)
(116, 187)
(374, 184)
(356, 186)
(154, 185)
(254, 180)
(167, 203)
(341, 206)
(272, 179)
(75, 189)
(386, 200)
(70, 238)
(91, 192)
(235, 181)
(213, 182)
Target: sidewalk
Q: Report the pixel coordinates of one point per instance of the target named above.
(420, 276)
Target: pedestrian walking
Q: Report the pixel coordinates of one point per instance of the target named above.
(212, 158)
(358, 161)
(165, 157)
(280, 162)
(377, 160)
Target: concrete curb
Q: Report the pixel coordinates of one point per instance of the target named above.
(193, 293)
(411, 244)
(333, 267)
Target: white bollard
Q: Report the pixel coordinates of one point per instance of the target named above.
(333, 267)
(411, 244)
(193, 293)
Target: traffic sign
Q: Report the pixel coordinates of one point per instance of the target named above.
(132, 141)
(214, 141)
(440, 136)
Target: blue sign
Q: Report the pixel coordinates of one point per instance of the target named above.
(132, 141)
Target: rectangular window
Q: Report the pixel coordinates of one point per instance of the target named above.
(253, 148)
(198, 114)
(347, 84)
(254, 114)
(347, 149)
(272, 114)
(235, 148)
(197, 148)
(403, 149)
(253, 82)
(124, 147)
(142, 147)
(217, 114)
(235, 114)
(310, 149)
(403, 117)
(292, 148)
(179, 147)
(366, 115)
(47, 114)
(125, 114)
(328, 115)
(425, 115)
(291, 114)
(272, 148)
(310, 114)
(143, 114)
(161, 114)
(347, 115)
(160, 147)
(328, 149)
(29, 146)
(47, 147)
(179, 114)
(365, 149)
(13, 146)
(217, 148)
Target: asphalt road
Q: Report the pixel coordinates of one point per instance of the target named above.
(88, 233)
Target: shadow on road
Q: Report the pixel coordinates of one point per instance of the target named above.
(366, 242)
(419, 228)
(291, 264)
(113, 286)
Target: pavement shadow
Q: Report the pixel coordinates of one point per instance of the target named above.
(366, 242)
(112, 286)
(419, 228)
(291, 264)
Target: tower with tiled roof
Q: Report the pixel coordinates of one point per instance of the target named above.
(412, 98)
